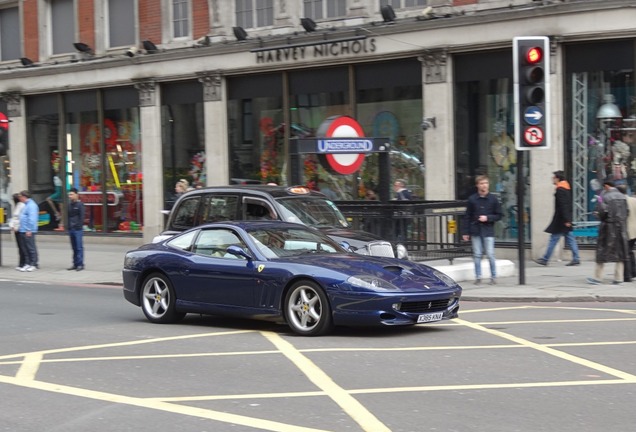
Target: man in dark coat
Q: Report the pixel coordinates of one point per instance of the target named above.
(561, 224)
(612, 234)
(482, 211)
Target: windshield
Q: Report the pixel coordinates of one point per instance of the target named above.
(277, 243)
(312, 211)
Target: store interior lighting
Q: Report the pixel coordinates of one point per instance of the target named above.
(608, 110)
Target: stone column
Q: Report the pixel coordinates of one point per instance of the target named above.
(18, 154)
(151, 157)
(216, 128)
(437, 125)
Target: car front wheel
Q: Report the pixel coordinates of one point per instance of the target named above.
(158, 300)
(307, 309)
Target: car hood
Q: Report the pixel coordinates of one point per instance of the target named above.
(404, 274)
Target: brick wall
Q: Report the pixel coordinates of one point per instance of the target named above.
(30, 29)
(200, 18)
(150, 20)
(86, 22)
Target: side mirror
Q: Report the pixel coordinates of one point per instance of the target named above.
(345, 245)
(238, 251)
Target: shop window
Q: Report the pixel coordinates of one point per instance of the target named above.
(121, 23)
(316, 95)
(62, 26)
(9, 34)
(42, 139)
(484, 134)
(254, 13)
(600, 125)
(182, 136)
(122, 157)
(392, 108)
(256, 128)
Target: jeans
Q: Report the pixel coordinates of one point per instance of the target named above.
(31, 250)
(481, 245)
(76, 237)
(22, 252)
(569, 240)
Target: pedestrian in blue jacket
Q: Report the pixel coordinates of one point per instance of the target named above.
(28, 229)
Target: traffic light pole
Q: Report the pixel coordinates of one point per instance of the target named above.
(521, 225)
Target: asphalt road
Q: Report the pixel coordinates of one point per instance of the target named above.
(80, 358)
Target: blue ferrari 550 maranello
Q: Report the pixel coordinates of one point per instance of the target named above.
(282, 272)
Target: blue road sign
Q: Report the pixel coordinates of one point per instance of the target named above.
(533, 115)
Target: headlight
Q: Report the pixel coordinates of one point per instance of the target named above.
(444, 278)
(402, 253)
(371, 283)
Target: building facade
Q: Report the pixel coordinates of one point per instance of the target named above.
(123, 98)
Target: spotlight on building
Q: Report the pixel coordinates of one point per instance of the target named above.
(131, 52)
(26, 62)
(388, 14)
(150, 47)
(239, 33)
(204, 41)
(308, 24)
(426, 14)
(83, 48)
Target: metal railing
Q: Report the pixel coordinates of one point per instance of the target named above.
(430, 230)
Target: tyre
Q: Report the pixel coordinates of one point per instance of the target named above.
(158, 300)
(307, 309)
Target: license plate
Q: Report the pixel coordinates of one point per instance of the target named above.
(430, 317)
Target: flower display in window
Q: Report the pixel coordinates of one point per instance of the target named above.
(197, 168)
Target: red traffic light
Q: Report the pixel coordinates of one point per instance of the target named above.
(534, 55)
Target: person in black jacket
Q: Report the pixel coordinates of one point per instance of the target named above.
(482, 211)
(561, 224)
(76, 229)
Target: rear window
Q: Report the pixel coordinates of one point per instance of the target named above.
(186, 212)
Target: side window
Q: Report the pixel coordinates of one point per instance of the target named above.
(219, 208)
(183, 242)
(186, 213)
(214, 243)
(257, 209)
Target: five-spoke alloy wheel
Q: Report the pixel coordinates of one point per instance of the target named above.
(158, 300)
(307, 309)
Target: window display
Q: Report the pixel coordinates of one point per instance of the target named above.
(484, 135)
(601, 115)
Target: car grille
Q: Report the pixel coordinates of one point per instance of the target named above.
(424, 306)
(381, 248)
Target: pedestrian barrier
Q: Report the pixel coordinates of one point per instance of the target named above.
(430, 230)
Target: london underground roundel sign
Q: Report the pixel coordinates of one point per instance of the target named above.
(338, 159)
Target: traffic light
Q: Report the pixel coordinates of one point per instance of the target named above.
(531, 67)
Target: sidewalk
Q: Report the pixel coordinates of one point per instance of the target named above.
(105, 256)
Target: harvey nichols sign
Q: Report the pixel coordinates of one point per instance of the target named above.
(315, 50)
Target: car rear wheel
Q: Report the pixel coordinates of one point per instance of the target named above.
(307, 309)
(158, 300)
